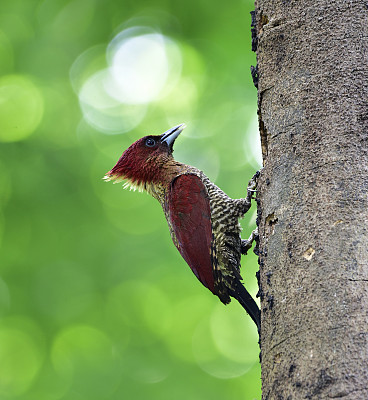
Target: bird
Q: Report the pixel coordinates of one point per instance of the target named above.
(203, 220)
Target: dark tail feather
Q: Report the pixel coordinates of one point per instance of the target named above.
(241, 294)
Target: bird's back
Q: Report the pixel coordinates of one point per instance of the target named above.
(220, 230)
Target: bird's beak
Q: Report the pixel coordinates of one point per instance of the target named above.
(169, 136)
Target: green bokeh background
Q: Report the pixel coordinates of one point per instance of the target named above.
(95, 301)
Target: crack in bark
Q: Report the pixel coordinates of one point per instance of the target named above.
(285, 339)
(345, 393)
(275, 135)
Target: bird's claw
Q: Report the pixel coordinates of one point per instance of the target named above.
(247, 244)
(252, 185)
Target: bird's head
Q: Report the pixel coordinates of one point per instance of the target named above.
(146, 160)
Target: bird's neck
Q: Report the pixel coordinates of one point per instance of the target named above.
(168, 172)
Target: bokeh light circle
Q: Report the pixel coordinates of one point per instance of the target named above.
(187, 314)
(139, 304)
(84, 356)
(234, 334)
(20, 361)
(104, 112)
(21, 108)
(222, 344)
(142, 64)
(87, 64)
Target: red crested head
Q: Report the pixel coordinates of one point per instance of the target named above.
(144, 161)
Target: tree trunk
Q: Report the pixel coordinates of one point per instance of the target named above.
(312, 198)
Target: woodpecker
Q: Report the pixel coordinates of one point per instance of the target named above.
(203, 221)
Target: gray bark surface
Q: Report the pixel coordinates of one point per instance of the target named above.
(312, 198)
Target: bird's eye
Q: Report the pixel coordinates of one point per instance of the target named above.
(150, 142)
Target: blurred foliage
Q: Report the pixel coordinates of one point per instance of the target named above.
(95, 301)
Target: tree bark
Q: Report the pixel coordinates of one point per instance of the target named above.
(312, 197)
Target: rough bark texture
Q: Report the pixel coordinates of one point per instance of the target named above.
(312, 198)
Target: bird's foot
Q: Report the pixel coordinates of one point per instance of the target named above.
(251, 189)
(252, 185)
(247, 244)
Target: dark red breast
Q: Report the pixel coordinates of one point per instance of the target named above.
(190, 216)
